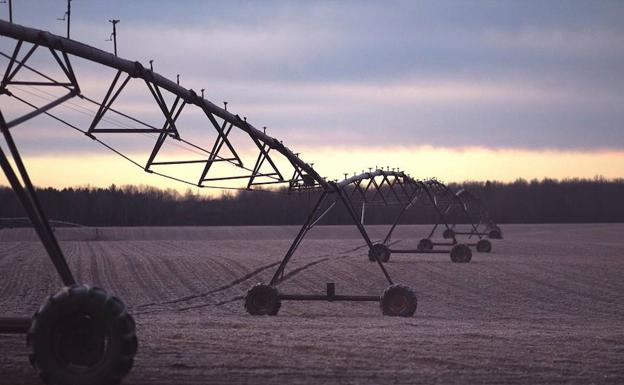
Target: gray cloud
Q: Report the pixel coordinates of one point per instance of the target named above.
(496, 74)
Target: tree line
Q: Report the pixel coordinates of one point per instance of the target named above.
(521, 201)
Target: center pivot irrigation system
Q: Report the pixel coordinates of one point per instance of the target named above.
(458, 210)
(84, 335)
(477, 213)
(379, 187)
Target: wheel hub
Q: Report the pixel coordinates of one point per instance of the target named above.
(262, 300)
(397, 303)
(80, 342)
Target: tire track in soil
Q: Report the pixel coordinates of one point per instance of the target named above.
(77, 263)
(111, 268)
(232, 283)
(94, 270)
(324, 258)
(84, 260)
(180, 267)
(106, 269)
(166, 271)
(158, 276)
(183, 277)
(138, 273)
(222, 288)
(216, 265)
(291, 274)
(294, 272)
(348, 273)
(283, 279)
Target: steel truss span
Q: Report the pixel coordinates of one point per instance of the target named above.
(480, 215)
(222, 121)
(97, 308)
(61, 353)
(463, 209)
(382, 188)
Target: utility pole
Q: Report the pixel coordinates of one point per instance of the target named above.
(66, 16)
(10, 9)
(113, 35)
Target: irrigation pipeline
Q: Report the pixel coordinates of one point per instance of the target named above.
(400, 188)
(61, 49)
(119, 152)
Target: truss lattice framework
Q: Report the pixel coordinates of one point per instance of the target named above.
(477, 209)
(375, 187)
(462, 207)
(378, 187)
(62, 50)
(392, 188)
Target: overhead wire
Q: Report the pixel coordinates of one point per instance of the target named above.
(152, 135)
(84, 97)
(129, 159)
(86, 111)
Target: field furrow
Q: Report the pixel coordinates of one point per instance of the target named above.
(544, 307)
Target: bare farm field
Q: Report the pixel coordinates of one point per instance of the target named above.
(545, 307)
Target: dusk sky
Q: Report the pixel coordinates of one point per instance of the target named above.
(460, 90)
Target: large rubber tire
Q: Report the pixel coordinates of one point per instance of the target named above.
(425, 244)
(461, 254)
(484, 246)
(379, 251)
(82, 336)
(495, 234)
(448, 234)
(398, 301)
(262, 299)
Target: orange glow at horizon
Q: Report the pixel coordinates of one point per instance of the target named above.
(446, 164)
(476, 163)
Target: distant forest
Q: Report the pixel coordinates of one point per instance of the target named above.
(546, 201)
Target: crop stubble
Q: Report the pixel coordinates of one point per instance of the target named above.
(545, 307)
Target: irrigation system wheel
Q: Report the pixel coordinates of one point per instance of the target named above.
(484, 246)
(448, 234)
(495, 233)
(262, 299)
(82, 336)
(461, 254)
(379, 251)
(398, 301)
(425, 244)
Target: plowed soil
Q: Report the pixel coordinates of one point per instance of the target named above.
(546, 306)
